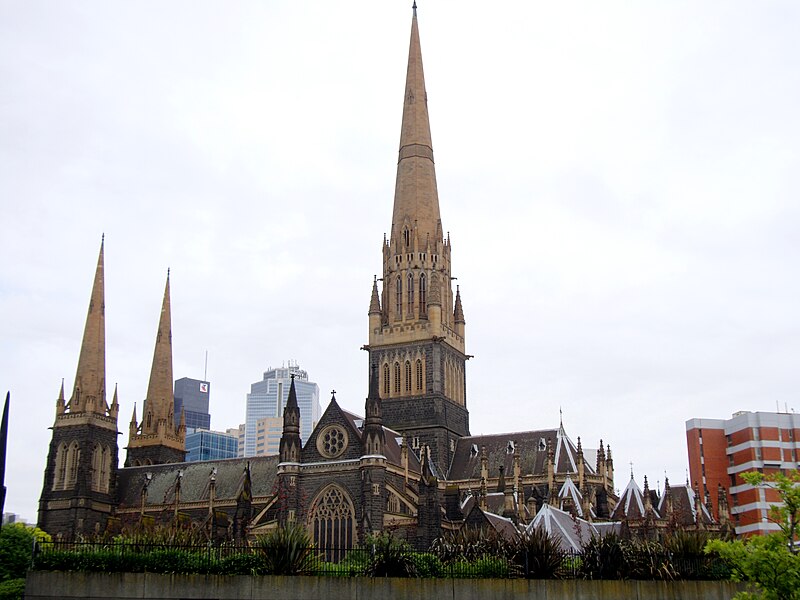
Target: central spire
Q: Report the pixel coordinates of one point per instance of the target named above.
(416, 197)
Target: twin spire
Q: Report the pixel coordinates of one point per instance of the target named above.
(89, 391)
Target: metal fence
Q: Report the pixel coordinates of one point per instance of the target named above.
(369, 561)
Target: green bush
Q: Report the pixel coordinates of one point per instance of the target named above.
(16, 549)
(389, 557)
(12, 589)
(604, 558)
(241, 564)
(539, 555)
(287, 551)
(429, 565)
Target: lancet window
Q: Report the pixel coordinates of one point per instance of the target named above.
(332, 522)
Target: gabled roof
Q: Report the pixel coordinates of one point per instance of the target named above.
(531, 447)
(684, 511)
(631, 503)
(569, 491)
(572, 532)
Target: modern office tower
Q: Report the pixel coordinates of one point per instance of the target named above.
(210, 445)
(720, 450)
(239, 433)
(267, 399)
(191, 396)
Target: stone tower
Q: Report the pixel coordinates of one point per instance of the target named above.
(416, 322)
(157, 440)
(80, 476)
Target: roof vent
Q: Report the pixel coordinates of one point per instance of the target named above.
(473, 451)
(542, 444)
(359, 423)
(510, 447)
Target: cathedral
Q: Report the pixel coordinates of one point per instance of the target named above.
(408, 465)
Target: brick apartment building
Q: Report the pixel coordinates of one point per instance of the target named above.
(720, 450)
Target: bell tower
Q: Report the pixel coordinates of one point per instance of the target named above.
(416, 322)
(78, 494)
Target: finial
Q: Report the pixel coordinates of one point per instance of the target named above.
(631, 463)
(167, 273)
(292, 376)
(103, 238)
(333, 394)
(414, 6)
(560, 418)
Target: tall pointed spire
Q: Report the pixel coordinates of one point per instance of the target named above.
(416, 197)
(156, 440)
(160, 400)
(89, 393)
(3, 445)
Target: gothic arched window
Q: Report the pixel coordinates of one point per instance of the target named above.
(397, 378)
(386, 379)
(410, 307)
(332, 522)
(408, 376)
(60, 476)
(407, 237)
(423, 306)
(399, 298)
(419, 375)
(73, 460)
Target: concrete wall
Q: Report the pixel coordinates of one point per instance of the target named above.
(123, 586)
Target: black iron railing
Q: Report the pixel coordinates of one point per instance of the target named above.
(230, 559)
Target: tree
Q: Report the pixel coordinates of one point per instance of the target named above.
(786, 514)
(771, 562)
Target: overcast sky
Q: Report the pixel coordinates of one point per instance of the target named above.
(619, 179)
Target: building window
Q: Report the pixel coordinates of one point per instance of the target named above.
(386, 379)
(73, 460)
(332, 522)
(419, 375)
(397, 378)
(408, 376)
(60, 477)
(407, 237)
(423, 306)
(399, 298)
(410, 307)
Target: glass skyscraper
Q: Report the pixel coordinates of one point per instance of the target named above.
(267, 399)
(210, 445)
(192, 396)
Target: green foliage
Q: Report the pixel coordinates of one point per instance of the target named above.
(389, 557)
(787, 514)
(539, 554)
(603, 558)
(12, 589)
(771, 564)
(471, 544)
(428, 565)
(16, 549)
(287, 551)
(765, 562)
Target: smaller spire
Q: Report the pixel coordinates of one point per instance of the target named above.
(375, 301)
(291, 401)
(133, 417)
(458, 313)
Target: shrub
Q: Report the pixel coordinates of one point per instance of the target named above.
(12, 589)
(603, 558)
(389, 557)
(539, 555)
(16, 549)
(286, 551)
(429, 565)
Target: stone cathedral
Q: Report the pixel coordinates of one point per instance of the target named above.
(408, 464)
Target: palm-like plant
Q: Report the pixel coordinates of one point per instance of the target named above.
(287, 550)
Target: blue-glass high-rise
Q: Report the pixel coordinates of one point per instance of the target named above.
(191, 396)
(263, 401)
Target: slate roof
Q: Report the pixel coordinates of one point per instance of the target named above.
(531, 447)
(631, 504)
(195, 480)
(684, 511)
(572, 532)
